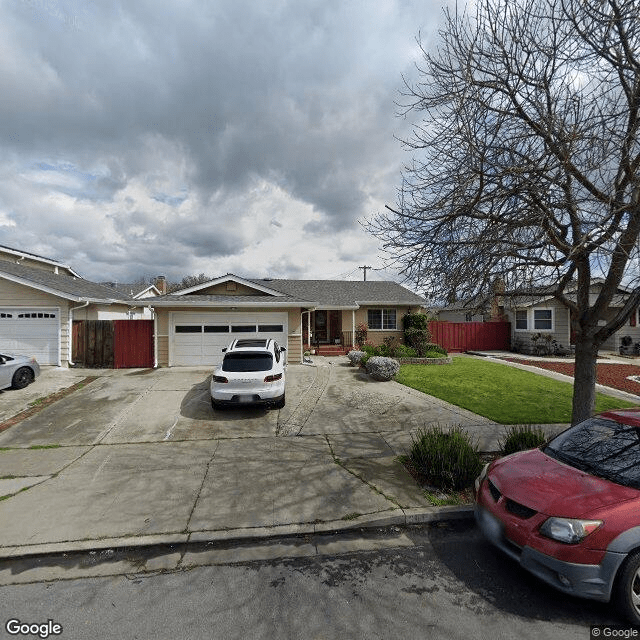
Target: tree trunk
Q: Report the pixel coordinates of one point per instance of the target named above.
(584, 386)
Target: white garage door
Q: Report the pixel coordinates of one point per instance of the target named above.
(31, 332)
(198, 338)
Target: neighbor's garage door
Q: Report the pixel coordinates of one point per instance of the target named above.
(198, 338)
(31, 332)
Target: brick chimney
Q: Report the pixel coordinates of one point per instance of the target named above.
(497, 301)
(161, 284)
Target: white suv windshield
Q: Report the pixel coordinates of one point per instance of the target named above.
(247, 362)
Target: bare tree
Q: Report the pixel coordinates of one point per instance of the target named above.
(188, 281)
(526, 162)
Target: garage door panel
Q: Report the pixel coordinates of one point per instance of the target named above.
(31, 332)
(204, 347)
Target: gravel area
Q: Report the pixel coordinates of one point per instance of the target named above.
(615, 376)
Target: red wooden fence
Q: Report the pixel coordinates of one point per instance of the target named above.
(471, 336)
(113, 344)
(133, 342)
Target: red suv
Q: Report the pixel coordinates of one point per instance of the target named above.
(569, 512)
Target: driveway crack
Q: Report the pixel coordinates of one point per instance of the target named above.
(197, 498)
(294, 425)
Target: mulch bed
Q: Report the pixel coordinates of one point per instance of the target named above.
(609, 375)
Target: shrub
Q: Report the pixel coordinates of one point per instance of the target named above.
(436, 348)
(403, 351)
(418, 339)
(521, 438)
(369, 349)
(355, 357)
(446, 460)
(361, 334)
(381, 368)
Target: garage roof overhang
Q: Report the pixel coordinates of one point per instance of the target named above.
(60, 294)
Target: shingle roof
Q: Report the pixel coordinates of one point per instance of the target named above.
(303, 293)
(130, 290)
(222, 300)
(63, 285)
(344, 293)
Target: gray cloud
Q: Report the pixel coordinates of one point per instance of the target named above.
(151, 124)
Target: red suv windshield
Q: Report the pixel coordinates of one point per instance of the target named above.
(601, 447)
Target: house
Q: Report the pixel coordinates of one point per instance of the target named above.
(39, 300)
(542, 314)
(537, 316)
(194, 324)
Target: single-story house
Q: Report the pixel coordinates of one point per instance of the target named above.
(539, 313)
(194, 324)
(543, 314)
(39, 300)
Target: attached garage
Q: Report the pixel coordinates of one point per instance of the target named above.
(197, 338)
(31, 332)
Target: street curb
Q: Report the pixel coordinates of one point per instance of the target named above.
(400, 517)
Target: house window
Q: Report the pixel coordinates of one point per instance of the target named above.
(384, 319)
(543, 319)
(271, 328)
(522, 320)
(188, 328)
(243, 328)
(633, 318)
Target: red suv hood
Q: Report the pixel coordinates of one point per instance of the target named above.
(553, 488)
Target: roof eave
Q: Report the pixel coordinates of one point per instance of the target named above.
(56, 292)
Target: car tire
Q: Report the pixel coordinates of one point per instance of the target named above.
(280, 403)
(22, 378)
(217, 406)
(627, 588)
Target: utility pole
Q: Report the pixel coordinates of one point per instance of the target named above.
(364, 268)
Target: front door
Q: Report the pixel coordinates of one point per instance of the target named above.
(320, 327)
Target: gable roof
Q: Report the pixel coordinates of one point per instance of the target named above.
(346, 293)
(133, 290)
(229, 277)
(33, 256)
(62, 285)
(326, 294)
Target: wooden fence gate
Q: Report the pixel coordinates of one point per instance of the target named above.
(113, 344)
(471, 336)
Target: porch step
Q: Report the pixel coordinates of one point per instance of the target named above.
(331, 350)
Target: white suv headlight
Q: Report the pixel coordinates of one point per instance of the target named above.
(568, 530)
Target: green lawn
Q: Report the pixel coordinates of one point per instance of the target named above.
(499, 392)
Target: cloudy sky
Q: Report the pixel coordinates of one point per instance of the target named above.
(217, 136)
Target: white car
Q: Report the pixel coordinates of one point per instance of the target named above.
(17, 371)
(251, 373)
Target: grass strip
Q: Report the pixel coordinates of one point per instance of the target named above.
(501, 393)
(42, 403)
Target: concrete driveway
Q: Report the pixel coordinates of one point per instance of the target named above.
(140, 457)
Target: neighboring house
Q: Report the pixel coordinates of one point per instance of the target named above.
(194, 324)
(539, 313)
(461, 311)
(137, 291)
(543, 314)
(40, 298)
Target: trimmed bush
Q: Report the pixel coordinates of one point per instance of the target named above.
(403, 351)
(445, 459)
(361, 334)
(381, 368)
(521, 438)
(355, 357)
(432, 346)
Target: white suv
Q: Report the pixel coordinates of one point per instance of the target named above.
(252, 372)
